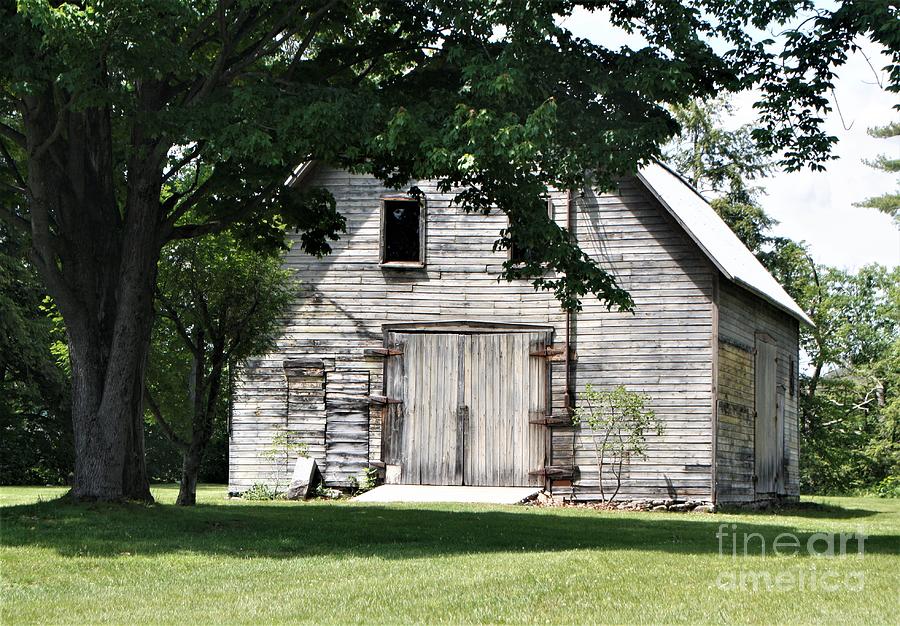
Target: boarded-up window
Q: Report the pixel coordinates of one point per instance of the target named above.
(402, 235)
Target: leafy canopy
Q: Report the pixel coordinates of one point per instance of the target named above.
(496, 100)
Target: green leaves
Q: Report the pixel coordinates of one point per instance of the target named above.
(498, 101)
(218, 301)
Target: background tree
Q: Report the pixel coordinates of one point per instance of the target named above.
(849, 400)
(888, 203)
(104, 105)
(35, 424)
(850, 393)
(218, 302)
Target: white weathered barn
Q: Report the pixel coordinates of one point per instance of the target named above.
(404, 351)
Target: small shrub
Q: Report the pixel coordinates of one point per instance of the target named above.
(367, 483)
(887, 488)
(327, 492)
(260, 491)
(619, 423)
(283, 450)
(370, 479)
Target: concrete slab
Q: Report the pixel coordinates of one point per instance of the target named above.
(441, 493)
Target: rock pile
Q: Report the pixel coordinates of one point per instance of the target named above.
(672, 505)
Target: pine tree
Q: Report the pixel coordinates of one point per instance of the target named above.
(888, 203)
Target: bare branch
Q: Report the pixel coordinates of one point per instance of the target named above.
(871, 67)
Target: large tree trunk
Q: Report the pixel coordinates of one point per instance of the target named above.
(108, 374)
(97, 256)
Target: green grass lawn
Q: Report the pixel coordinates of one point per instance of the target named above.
(233, 561)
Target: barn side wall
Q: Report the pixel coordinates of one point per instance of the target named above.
(741, 316)
(663, 349)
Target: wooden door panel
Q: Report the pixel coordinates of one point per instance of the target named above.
(465, 405)
(426, 433)
(766, 424)
(502, 385)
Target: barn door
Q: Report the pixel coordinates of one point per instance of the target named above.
(768, 441)
(461, 406)
(503, 386)
(423, 428)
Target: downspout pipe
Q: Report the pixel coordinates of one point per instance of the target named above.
(567, 397)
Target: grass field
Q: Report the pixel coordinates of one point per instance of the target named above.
(244, 562)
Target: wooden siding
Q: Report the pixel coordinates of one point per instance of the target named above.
(741, 316)
(346, 424)
(664, 349)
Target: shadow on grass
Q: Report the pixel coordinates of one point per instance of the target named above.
(388, 532)
(811, 510)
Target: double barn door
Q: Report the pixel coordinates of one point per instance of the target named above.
(465, 405)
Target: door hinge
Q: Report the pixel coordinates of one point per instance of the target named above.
(554, 471)
(541, 418)
(383, 400)
(383, 352)
(549, 352)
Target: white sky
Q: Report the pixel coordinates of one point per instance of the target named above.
(817, 207)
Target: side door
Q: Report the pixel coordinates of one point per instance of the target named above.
(767, 442)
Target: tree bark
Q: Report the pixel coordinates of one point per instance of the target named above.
(97, 255)
(190, 469)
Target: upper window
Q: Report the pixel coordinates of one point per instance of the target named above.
(402, 232)
(523, 254)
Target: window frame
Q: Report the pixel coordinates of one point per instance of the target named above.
(423, 239)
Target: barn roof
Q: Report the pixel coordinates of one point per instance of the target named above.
(715, 238)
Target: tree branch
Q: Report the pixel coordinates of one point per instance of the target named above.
(167, 429)
(52, 137)
(189, 231)
(170, 313)
(184, 161)
(314, 20)
(13, 134)
(12, 166)
(269, 41)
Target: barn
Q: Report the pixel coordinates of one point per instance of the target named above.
(404, 352)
